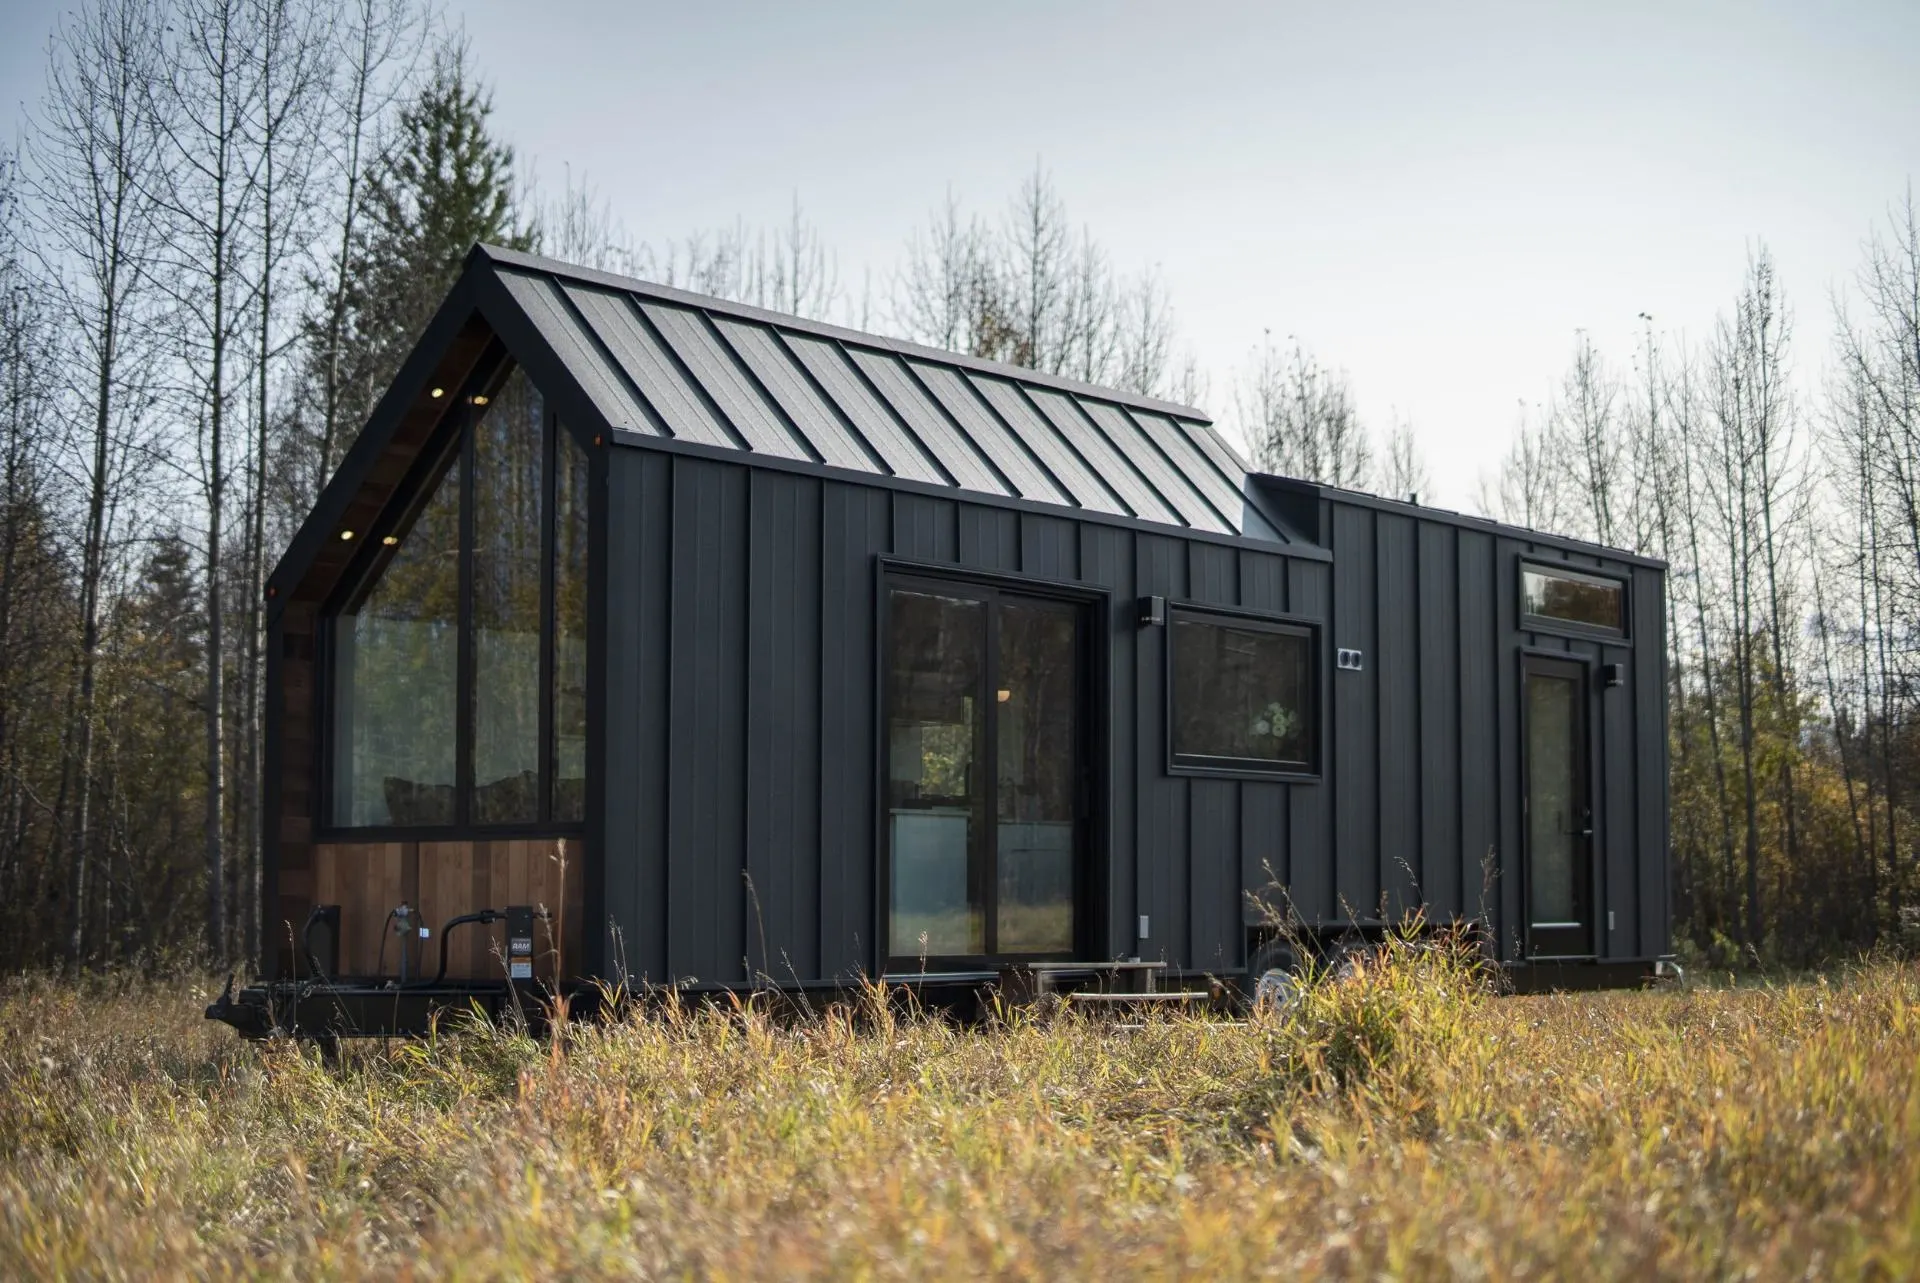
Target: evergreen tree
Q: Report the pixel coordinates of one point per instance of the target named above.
(444, 185)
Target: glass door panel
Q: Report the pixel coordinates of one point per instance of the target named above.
(936, 741)
(1559, 812)
(1037, 707)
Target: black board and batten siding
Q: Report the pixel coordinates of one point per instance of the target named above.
(742, 734)
(753, 476)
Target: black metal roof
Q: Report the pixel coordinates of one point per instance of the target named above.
(664, 363)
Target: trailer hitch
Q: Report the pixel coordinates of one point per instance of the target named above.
(252, 1021)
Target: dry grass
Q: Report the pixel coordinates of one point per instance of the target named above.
(1397, 1125)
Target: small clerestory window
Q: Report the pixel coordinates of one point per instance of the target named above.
(1243, 695)
(1559, 597)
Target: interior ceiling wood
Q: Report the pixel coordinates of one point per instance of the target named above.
(665, 363)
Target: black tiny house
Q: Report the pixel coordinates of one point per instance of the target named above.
(758, 649)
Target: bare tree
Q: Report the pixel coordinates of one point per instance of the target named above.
(1298, 419)
(1403, 470)
(95, 151)
(1585, 424)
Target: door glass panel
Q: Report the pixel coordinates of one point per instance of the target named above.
(935, 742)
(569, 629)
(395, 668)
(507, 447)
(1037, 708)
(1554, 811)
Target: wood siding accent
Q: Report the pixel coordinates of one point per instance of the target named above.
(443, 880)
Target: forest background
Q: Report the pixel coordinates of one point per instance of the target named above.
(223, 222)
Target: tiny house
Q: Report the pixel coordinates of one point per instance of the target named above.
(752, 650)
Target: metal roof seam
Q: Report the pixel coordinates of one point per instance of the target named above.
(880, 464)
(899, 420)
(1180, 470)
(971, 395)
(940, 408)
(1176, 476)
(747, 375)
(897, 365)
(696, 385)
(1133, 509)
(588, 334)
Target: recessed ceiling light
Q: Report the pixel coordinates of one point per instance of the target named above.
(438, 393)
(390, 540)
(346, 534)
(479, 400)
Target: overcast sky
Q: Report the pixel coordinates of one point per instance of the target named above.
(1435, 197)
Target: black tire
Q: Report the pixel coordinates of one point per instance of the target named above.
(1273, 976)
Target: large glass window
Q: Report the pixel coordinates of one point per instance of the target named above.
(396, 656)
(1558, 596)
(459, 666)
(1242, 694)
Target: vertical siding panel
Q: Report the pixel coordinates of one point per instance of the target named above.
(1356, 749)
(924, 528)
(1105, 557)
(989, 537)
(1506, 688)
(639, 564)
(1048, 548)
(1213, 806)
(1440, 783)
(1310, 850)
(783, 730)
(1648, 678)
(1160, 799)
(707, 769)
(853, 529)
(1263, 803)
(1398, 668)
(1479, 744)
(1613, 809)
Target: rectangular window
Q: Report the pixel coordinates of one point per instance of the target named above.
(1242, 694)
(1557, 597)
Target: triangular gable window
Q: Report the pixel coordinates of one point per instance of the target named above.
(458, 667)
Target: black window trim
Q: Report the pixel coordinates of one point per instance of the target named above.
(1199, 766)
(1569, 627)
(450, 447)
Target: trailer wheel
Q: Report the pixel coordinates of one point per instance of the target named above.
(1275, 971)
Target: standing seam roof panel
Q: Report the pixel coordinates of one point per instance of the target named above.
(717, 370)
(659, 378)
(937, 434)
(604, 385)
(1114, 467)
(876, 422)
(1028, 424)
(1145, 453)
(825, 428)
(1015, 459)
(1193, 464)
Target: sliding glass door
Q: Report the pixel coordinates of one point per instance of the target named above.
(986, 773)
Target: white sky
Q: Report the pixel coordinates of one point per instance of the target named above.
(1433, 196)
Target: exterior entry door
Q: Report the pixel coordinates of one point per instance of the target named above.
(1559, 810)
(986, 720)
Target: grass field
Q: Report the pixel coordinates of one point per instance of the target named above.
(1400, 1124)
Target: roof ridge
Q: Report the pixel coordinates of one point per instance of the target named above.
(502, 256)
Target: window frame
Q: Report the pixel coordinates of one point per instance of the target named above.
(1203, 766)
(1592, 576)
(449, 448)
